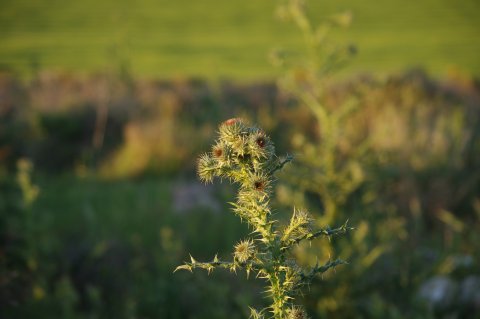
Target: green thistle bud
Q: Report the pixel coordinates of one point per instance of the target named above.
(260, 145)
(297, 312)
(239, 147)
(259, 182)
(218, 151)
(206, 168)
(244, 250)
(222, 154)
(232, 130)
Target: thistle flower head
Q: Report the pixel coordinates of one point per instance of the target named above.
(244, 250)
(296, 312)
(221, 153)
(231, 130)
(260, 145)
(218, 151)
(206, 168)
(259, 184)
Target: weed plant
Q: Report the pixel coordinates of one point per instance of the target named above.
(245, 156)
(324, 167)
(344, 170)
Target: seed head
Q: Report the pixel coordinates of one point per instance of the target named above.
(244, 250)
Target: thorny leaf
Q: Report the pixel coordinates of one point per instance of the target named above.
(186, 267)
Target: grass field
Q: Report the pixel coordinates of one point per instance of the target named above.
(213, 38)
(117, 243)
(127, 210)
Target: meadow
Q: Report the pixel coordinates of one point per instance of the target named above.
(231, 39)
(105, 107)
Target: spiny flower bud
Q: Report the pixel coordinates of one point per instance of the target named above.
(260, 145)
(222, 154)
(259, 183)
(206, 167)
(232, 130)
(297, 312)
(239, 147)
(217, 151)
(244, 250)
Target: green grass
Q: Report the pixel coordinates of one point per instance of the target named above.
(213, 38)
(116, 243)
(96, 210)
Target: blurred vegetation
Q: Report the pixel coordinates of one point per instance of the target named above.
(103, 231)
(212, 38)
(380, 166)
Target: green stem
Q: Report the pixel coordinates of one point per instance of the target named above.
(278, 295)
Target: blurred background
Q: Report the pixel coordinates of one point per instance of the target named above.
(105, 106)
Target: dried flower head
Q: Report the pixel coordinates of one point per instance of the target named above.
(244, 250)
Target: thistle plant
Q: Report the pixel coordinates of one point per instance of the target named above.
(245, 156)
(332, 165)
